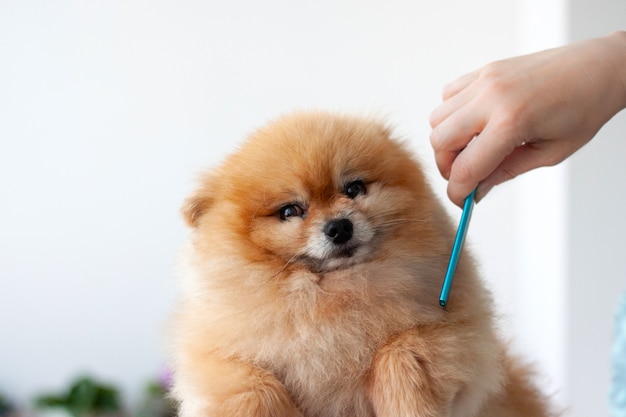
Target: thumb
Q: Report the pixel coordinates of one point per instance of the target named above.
(521, 160)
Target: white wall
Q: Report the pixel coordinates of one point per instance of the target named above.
(597, 228)
(109, 108)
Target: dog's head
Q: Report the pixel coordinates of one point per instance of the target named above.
(316, 191)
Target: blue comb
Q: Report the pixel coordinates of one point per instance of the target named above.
(456, 249)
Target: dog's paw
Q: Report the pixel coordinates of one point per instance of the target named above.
(407, 380)
(258, 403)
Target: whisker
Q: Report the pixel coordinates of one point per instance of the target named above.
(280, 271)
(396, 221)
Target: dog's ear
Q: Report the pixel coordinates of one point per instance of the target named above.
(199, 203)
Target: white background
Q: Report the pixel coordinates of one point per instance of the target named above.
(108, 110)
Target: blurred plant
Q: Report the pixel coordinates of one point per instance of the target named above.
(85, 398)
(6, 408)
(157, 402)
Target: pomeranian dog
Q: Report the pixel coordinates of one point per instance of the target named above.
(310, 288)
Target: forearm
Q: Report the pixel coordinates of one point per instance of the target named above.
(616, 44)
(613, 56)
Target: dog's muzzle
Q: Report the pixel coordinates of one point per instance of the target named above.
(339, 231)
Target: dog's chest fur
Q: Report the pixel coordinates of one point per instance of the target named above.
(334, 330)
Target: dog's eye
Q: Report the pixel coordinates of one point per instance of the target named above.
(290, 210)
(355, 188)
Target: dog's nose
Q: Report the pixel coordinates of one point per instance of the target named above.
(339, 230)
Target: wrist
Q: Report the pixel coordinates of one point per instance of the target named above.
(616, 42)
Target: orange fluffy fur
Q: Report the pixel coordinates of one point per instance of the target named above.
(282, 316)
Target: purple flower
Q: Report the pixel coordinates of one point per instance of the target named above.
(166, 378)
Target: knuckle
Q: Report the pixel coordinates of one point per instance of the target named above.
(433, 118)
(496, 81)
(435, 139)
(462, 170)
(492, 70)
(494, 73)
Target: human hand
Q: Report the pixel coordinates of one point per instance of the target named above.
(518, 114)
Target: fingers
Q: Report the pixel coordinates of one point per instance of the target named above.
(459, 84)
(453, 135)
(521, 160)
(526, 158)
(455, 96)
(471, 140)
(478, 160)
